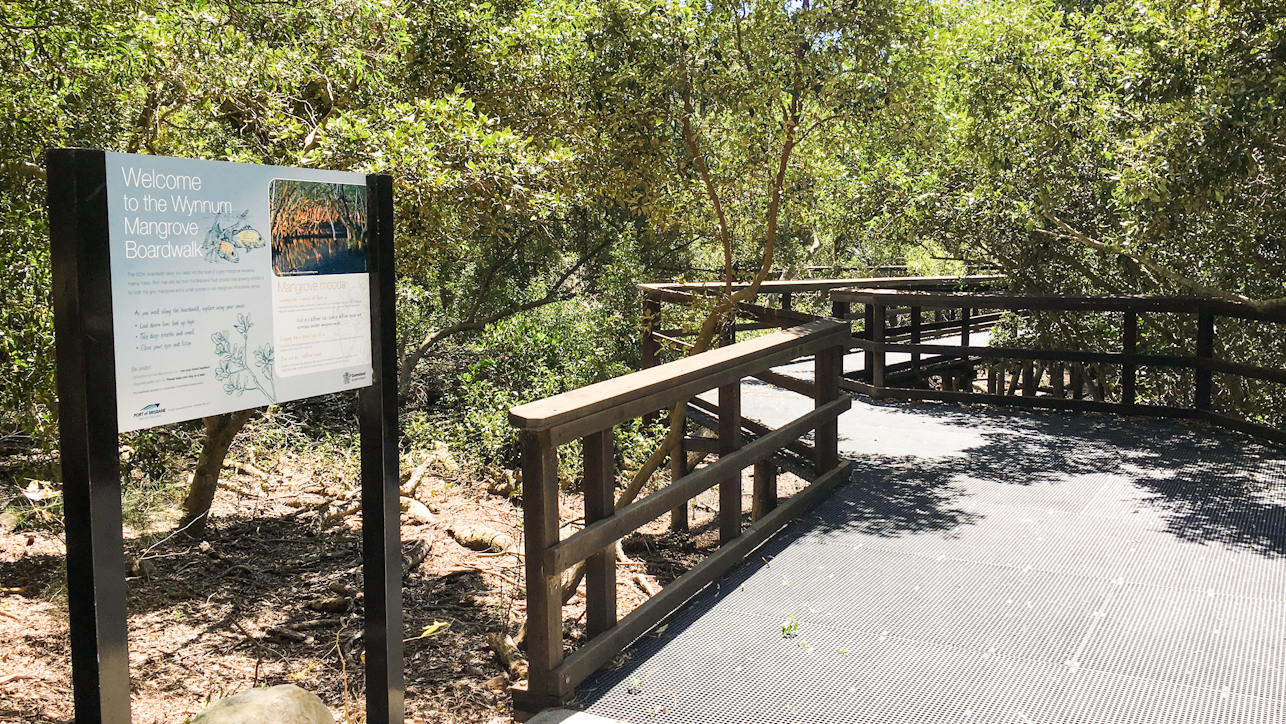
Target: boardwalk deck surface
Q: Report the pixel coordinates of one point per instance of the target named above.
(991, 566)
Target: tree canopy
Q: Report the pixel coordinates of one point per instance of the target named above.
(556, 150)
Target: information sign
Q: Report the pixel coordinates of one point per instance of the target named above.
(234, 285)
(184, 289)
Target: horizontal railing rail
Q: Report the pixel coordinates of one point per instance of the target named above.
(1067, 369)
(658, 337)
(590, 414)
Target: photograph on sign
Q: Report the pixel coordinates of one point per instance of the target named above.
(234, 286)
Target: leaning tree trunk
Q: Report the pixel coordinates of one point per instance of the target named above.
(219, 431)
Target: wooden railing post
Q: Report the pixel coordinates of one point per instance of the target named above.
(1030, 383)
(1129, 345)
(1205, 350)
(730, 441)
(544, 588)
(678, 469)
(600, 568)
(916, 334)
(765, 493)
(878, 333)
(828, 366)
(868, 357)
(966, 372)
(786, 301)
(649, 348)
(651, 317)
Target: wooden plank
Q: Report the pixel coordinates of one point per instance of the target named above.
(786, 382)
(822, 285)
(599, 452)
(1244, 370)
(977, 322)
(828, 367)
(877, 315)
(1056, 355)
(1205, 350)
(598, 651)
(1018, 302)
(764, 498)
(729, 442)
(544, 586)
(701, 444)
(1129, 345)
(917, 332)
(597, 536)
(1055, 403)
(655, 388)
(1247, 312)
(783, 317)
(679, 469)
(755, 427)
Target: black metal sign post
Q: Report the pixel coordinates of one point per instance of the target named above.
(381, 499)
(89, 444)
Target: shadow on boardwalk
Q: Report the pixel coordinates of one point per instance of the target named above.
(983, 565)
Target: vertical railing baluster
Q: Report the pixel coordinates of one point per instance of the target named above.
(544, 587)
(730, 441)
(649, 349)
(1129, 344)
(599, 452)
(1205, 351)
(868, 333)
(828, 365)
(916, 333)
(966, 372)
(878, 333)
(1029, 378)
(786, 301)
(678, 469)
(765, 491)
(651, 320)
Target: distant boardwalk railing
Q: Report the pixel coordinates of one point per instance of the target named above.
(590, 414)
(1014, 374)
(797, 302)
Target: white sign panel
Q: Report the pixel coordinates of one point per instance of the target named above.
(234, 286)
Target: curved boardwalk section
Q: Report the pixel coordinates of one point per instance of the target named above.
(989, 566)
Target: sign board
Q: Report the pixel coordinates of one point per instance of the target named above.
(234, 285)
(184, 289)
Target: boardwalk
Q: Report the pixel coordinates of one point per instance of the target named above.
(992, 566)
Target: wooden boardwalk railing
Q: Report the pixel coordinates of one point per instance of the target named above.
(1017, 380)
(787, 295)
(590, 414)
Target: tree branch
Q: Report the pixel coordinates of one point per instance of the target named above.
(1143, 260)
(472, 324)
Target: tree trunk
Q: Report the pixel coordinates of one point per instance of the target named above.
(219, 432)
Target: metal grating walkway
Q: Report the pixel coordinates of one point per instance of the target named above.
(990, 566)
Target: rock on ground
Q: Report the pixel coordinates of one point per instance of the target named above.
(284, 704)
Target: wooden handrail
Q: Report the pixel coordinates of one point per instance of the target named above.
(591, 413)
(1054, 302)
(611, 402)
(876, 345)
(820, 285)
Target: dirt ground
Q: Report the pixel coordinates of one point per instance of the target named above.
(272, 596)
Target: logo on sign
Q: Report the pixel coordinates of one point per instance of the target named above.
(152, 409)
(350, 377)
